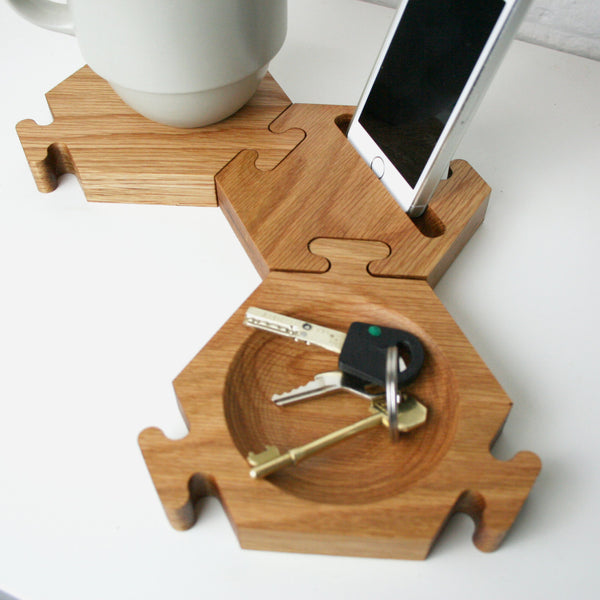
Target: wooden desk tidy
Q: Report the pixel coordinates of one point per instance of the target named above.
(332, 247)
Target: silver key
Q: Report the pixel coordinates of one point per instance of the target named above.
(301, 331)
(324, 383)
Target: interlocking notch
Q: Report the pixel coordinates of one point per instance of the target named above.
(366, 496)
(324, 189)
(120, 156)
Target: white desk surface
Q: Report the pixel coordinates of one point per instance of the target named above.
(101, 306)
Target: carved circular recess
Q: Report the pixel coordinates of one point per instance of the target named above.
(364, 468)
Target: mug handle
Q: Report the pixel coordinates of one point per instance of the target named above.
(44, 13)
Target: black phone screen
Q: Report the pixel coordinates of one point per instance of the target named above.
(427, 64)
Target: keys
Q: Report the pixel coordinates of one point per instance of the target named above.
(369, 356)
(362, 349)
(410, 414)
(324, 383)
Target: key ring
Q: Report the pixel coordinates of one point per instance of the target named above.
(392, 394)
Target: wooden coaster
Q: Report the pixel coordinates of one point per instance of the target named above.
(120, 156)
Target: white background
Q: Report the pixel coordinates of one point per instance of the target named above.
(101, 306)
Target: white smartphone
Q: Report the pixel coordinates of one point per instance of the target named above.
(436, 63)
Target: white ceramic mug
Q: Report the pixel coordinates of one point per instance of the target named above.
(185, 63)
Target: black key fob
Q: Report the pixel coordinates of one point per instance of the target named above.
(364, 353)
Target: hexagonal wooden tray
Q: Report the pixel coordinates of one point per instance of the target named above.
(332, 247)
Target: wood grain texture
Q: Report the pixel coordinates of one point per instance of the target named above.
(324, 189)
(120, 156)
(365, 496)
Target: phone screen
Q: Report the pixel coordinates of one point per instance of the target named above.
(429, 60)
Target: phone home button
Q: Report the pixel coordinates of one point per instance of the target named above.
(378, 166)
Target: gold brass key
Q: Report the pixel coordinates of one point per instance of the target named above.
(411, 414)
